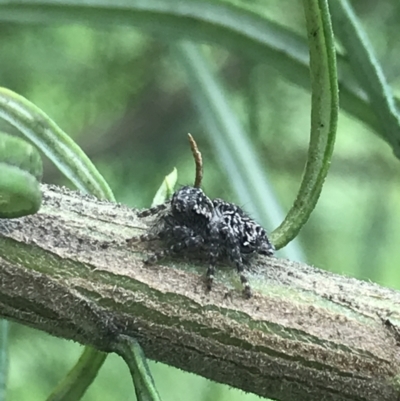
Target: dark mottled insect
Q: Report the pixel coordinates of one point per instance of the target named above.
(217, 229)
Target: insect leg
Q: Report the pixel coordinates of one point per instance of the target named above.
(143, 238)
(153, 210)
(235, 256)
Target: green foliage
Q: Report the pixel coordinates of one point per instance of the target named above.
(21, 170)
(107, 75)
(166, 188)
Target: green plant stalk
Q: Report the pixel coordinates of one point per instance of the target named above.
(129, 349)
(324, 115)
(72, 386)
(54, 143)
(367, 70)
(206, 21)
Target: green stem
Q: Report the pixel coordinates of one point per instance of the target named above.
(324, 115)
(54, 143)
(74, 384)
(129, 349)
(367, 70)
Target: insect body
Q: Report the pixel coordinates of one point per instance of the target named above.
(217, 229)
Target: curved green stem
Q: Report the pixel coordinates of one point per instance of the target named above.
(324, 115)
(54, 143)
(73, 387)
(129, 349)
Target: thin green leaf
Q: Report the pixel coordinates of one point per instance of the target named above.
(324, 115)
(367, 69)
(130, 350)
(54, 143)
(233, 148)
(205, 21)
(166, 189)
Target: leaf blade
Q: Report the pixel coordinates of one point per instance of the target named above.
(206, 21)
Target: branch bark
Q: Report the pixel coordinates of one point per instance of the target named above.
(306, 334)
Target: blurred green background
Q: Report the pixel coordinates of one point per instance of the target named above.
(122, 95)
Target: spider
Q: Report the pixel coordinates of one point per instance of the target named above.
(217, 229)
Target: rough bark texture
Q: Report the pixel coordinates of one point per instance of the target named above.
(305, 335)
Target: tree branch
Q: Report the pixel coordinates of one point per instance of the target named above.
(306, 334)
